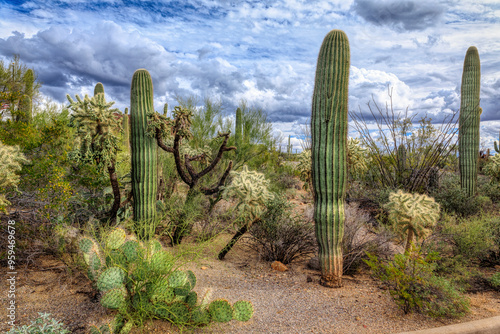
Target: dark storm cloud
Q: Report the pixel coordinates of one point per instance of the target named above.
(400, 15)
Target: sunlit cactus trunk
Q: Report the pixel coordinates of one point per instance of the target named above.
(468, 138)
(329, 152)
(143, 152)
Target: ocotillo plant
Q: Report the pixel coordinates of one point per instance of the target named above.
(468, 136)
(413, 214)
(98, 89)
(329, 152)
(143, 153)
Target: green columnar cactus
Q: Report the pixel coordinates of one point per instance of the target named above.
(98, 89)
(289, 147)
(413, 214)
(125, 127)
(143, 147)
(29, 82)
(497, 146)
(238, 129)
(165, 109)
(468, 136)
(329, 152)
(26, 109)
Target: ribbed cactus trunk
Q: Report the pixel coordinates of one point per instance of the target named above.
(143, 152)
(468, 138)
(26, 108)
(329, 152)
(401, 164)
(238, 130)
(125, 126)
(497, 146)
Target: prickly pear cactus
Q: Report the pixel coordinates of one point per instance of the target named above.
(413, 214)
(137, 279)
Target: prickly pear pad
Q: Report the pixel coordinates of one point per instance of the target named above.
(242, 310)
(111, 278)
(116, 238)
(220, 310)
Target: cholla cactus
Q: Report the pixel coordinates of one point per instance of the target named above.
(357, 161)
(305, 168)
(413, 214)
(492, 168)
(251, 188)
(12, 159)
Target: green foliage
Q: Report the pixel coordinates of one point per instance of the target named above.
(414, 286)
(329, 151)
(475, 239)
(468, 138)
(413, 214)
(12, 160)
(45, 324)
(140, 281)
(492, 168)
(456, 200)
(304, 168)
(280, 237)
(357, 158)
(495, 280)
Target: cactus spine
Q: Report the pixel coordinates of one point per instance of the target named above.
(468, 139)
(329, 152)
(98, 89)
(143, 147)
(238, 129)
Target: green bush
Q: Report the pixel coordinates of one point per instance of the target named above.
(476, 239)
(454, 199)
(280, 237)
(414, 286)
(42, 325)
(495, 280)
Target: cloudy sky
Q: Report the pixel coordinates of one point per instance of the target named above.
(264, 52)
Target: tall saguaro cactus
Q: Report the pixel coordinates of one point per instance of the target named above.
(497, 146)
(125, 122)
(143, 151)
(238, 129)
(468, 136)
(329, 152)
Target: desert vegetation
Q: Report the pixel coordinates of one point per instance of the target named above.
(129, 197)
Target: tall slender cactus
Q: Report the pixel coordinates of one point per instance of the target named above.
(497, 146)
(468, 137)
(125, 126)
(329, 152)
(143, 147)
(238, 129)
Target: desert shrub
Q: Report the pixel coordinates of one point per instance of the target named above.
(414, 286)
(495, 280)
(45, 324)
(476, 239)
(142, 280)
(280, 237)
(454, 199)
(359, 238)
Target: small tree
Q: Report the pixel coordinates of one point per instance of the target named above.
(170, 135)
(97, 130)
